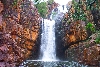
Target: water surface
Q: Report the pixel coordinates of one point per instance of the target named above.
(39, 63)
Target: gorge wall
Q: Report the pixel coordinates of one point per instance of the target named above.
(78, 42)
(19, 29)
(20, 33)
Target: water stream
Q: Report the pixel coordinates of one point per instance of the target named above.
(47, 49)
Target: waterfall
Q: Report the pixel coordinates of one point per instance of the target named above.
(48, 46)
(47, 56)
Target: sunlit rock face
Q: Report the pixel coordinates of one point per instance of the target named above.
(19, 26)
(75, 32)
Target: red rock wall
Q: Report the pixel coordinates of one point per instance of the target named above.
(81, 50)
(19, 26)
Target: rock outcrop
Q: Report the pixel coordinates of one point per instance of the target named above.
(86, 52)
(51, 7)
(19, 26)
(76, 32)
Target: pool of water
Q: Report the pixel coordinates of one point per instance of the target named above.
(34, 63)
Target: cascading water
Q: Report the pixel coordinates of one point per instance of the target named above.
(48, 46)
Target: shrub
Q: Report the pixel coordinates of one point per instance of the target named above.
(90, 27)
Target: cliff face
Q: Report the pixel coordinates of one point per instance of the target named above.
(19, 26)
(80, 43)
(76, 32)
(52, 6)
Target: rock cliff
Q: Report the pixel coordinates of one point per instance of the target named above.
(80, 42)
(19, 28)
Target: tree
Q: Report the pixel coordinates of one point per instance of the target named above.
(42, 9)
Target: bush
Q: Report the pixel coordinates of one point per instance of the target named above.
(90, 27)
(97, 40)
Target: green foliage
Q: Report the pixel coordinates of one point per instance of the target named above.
(42, 9)
(97, 40)
(90, 3)
(90, 26)
(50, 1)
(15, 2)
(79, 13)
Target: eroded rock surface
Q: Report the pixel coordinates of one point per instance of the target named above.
(19, 26)
(85, 54)
(76, 32)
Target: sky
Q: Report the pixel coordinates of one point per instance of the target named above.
(62, 2)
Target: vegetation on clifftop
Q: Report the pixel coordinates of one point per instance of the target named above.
(43, 7)
(87, 11)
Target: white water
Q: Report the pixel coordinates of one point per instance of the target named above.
(48, 46)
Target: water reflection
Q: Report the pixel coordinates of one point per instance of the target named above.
(30, 63)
